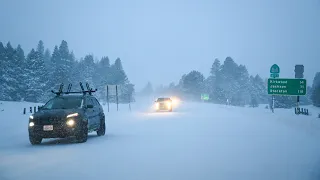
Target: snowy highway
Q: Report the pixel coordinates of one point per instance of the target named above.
(197, 141)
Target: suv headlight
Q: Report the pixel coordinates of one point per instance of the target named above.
(31, 124)
(71, 122)
(72, 115)
(169, 104)
(31, 117)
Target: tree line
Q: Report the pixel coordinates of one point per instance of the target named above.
(230, 83)
(32, 77)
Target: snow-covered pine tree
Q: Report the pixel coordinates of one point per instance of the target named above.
(3, 72)
(10, 84)
(40, 50)
(66, 63)
(228, 81)
(102, 77)
(147, 90)
(193, 84)
(244, 84)
(35, 77)
(74, 77)
(42, 72)
(63, 65)
(55, 79)
(118, 75)
(87, 67)
(214, 81)
(19, 59)
(47, 59)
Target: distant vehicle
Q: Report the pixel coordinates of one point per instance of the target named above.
(68, 114)
(163, 104)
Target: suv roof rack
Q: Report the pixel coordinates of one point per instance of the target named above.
(83, 91)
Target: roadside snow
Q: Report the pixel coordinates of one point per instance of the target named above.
(196, 141)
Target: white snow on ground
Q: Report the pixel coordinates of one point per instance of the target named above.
(196, 142)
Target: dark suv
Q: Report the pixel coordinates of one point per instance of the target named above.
(67, 114)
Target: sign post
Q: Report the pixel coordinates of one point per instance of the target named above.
(299, 70)
(274, 73)
(113, 90)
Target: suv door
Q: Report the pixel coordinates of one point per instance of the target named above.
(89, 112)
(96, 112)
(100, 109)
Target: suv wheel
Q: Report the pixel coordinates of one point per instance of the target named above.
(102, 129)
(82, 135)
(35, 139)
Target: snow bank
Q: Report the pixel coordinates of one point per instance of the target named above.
(197, 141)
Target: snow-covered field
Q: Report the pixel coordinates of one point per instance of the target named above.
(198, 141)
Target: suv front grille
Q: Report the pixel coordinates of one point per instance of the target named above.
(50, 120)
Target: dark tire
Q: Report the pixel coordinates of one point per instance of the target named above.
(34, 140)
(102, 129)
(82, 135)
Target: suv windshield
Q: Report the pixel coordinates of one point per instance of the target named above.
(163, 99)
(64, 103)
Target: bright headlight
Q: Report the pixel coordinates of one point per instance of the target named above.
(169, 104)
(31, 117)
(72, 115)
(157, 105)
(31, 124)
(70, 122)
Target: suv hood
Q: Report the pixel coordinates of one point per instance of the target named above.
(57, 113)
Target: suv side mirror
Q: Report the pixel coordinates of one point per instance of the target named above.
(89, 106)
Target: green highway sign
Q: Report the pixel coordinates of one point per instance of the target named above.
(274, 75)
(275, 69)
(205, 97)
(287, 87)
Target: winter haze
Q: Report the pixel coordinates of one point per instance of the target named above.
(158, 41)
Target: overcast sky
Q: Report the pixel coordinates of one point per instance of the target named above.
(160, 40)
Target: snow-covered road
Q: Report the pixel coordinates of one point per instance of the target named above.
(196, 142)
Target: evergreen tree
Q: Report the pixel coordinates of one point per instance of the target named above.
(87, 69)
(63, 64)
(55, 77)
(40, 50)
(10, 84)
(243, 95)
(228, 81)
(33, 76)
(258, 89)
(102, 76)
(73, 73)
(315, 97)
(119, 77)
(19, 60)
(147, 90)
(193, 84)
(36, 79)
(213, 82)
(3, 73)
(118, 74)
(47, 58)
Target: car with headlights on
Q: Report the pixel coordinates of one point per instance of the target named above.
(67, 115)
(163, 104)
